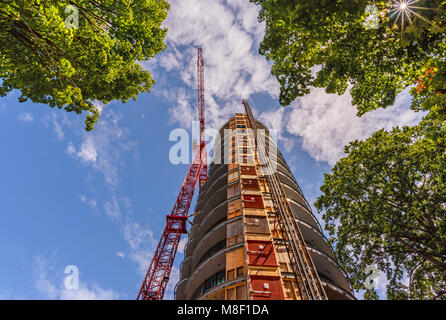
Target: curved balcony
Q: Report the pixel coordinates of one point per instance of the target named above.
(335, 293)
(219, 213)
(214, 168)
(185, 269)
(206, 222)
(212, 201)
(206, 269)
(217, 174)
(192, 231)
(287, 175)
(315, 238)
(221, 286)
(329, 267)
(217, 182)
(180, 289)
(293, 194)
(217, 234)
(303, 214)
(190, 246)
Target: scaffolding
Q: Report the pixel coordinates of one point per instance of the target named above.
(307, 279)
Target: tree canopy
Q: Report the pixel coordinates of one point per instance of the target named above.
(385, 206)
(332, 44)
(69, 54)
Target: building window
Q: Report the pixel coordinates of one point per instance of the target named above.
(214, 281)
(220, 245)
(232, 176)
(240, 272)
(233, 190)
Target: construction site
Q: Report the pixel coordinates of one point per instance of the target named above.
(252, 234)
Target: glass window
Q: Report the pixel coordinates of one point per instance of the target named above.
(215, 280)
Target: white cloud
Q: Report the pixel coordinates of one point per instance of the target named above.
(112, 208)
(92, 202)
(229, 34)
(142, 244)
(70, 149)
(102, 148)
(57, 127)
(88, 152)
(120, 254)
(57, 121)
(324, 123)
(182, 244)
(86, 293)
(26, 117)
(52, 287)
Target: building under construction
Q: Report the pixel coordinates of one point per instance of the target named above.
(253, 234)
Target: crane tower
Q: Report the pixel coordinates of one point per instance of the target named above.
(157, 276)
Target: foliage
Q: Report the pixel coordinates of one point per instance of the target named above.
(51, 60)
(385, 205)
(329, 44)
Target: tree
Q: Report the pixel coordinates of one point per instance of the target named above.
(385, 206)
(332, 44)
(69, 54)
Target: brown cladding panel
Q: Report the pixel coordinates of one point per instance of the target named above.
(253, 201)
(257, 224)
(250, 184)
(266, 288)
(248, 170)
(261, 253)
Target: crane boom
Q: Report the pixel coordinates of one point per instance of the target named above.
(157, 276)
(201, 114)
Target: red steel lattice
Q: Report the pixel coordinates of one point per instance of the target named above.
(157, 277)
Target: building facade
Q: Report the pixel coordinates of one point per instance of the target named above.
(236, 249)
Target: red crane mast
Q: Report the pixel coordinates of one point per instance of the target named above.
(157, 277)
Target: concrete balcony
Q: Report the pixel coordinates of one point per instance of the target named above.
(327, 266)
(219, 213)
(303, 214)
(315, 238)
(185, 268)
(335, 293)
(180, 289)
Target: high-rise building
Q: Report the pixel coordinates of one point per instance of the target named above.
(240, 245)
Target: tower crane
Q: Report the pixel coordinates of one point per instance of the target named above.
(158, 273)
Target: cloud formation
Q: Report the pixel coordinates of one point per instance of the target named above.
(52, 287)
(230, 34)
(324, 123)
(26, 117)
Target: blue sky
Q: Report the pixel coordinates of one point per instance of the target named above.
(98, 200)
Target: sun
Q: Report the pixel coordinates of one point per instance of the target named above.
(403, 11)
